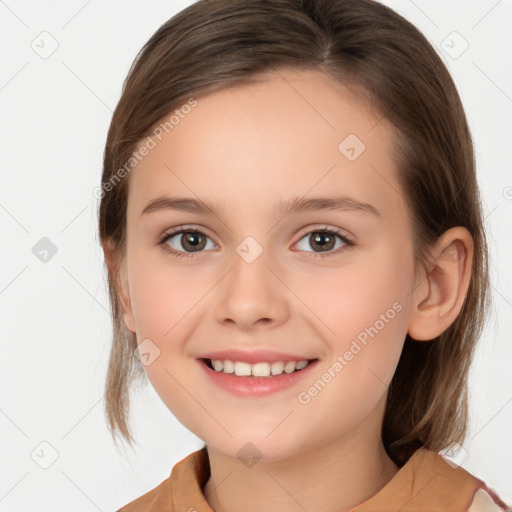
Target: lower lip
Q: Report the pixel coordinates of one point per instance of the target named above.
(255, 386)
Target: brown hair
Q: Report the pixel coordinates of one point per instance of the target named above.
(214, 44)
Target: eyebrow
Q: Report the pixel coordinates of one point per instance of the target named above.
(293, 205)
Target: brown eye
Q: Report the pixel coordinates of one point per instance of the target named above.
(193, 241)
(324, 240)
(185, 241)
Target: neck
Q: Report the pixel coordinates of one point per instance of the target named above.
(334, 476)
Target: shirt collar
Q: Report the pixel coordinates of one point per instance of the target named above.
(427, 481)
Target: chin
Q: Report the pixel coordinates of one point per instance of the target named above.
(255, 447)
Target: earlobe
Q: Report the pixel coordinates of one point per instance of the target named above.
(124, 298)
(128, 321)
(118, 275)
(438, 299)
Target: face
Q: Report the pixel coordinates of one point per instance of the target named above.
(327, 282)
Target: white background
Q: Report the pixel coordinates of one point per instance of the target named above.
(55, 315)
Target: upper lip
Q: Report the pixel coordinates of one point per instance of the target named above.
(252, 357)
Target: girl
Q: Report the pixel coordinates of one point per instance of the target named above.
(296, 259)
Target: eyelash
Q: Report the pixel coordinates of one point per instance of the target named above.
(181, 254)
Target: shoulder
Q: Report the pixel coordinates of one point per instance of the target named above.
(429, 481)
(183, 486)
(158, 498)
(451, 482)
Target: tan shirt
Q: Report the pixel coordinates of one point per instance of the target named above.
(426, 483)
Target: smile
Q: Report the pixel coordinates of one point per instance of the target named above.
(263, 369)
(256, 379)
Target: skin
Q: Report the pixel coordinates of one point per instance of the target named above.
(245, 149)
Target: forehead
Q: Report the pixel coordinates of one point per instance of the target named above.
(294, 133)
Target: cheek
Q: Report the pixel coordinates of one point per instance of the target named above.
(355, 295)
(164, 297)
(155, 304)
(365, 307)
(166, 303)
(368, 315)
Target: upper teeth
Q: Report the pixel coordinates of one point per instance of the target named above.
(258, 369)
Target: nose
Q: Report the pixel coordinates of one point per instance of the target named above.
(251, 295)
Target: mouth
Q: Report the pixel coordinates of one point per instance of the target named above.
(259, 370)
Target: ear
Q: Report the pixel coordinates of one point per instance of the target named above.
(117, 272)
(438, 299)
